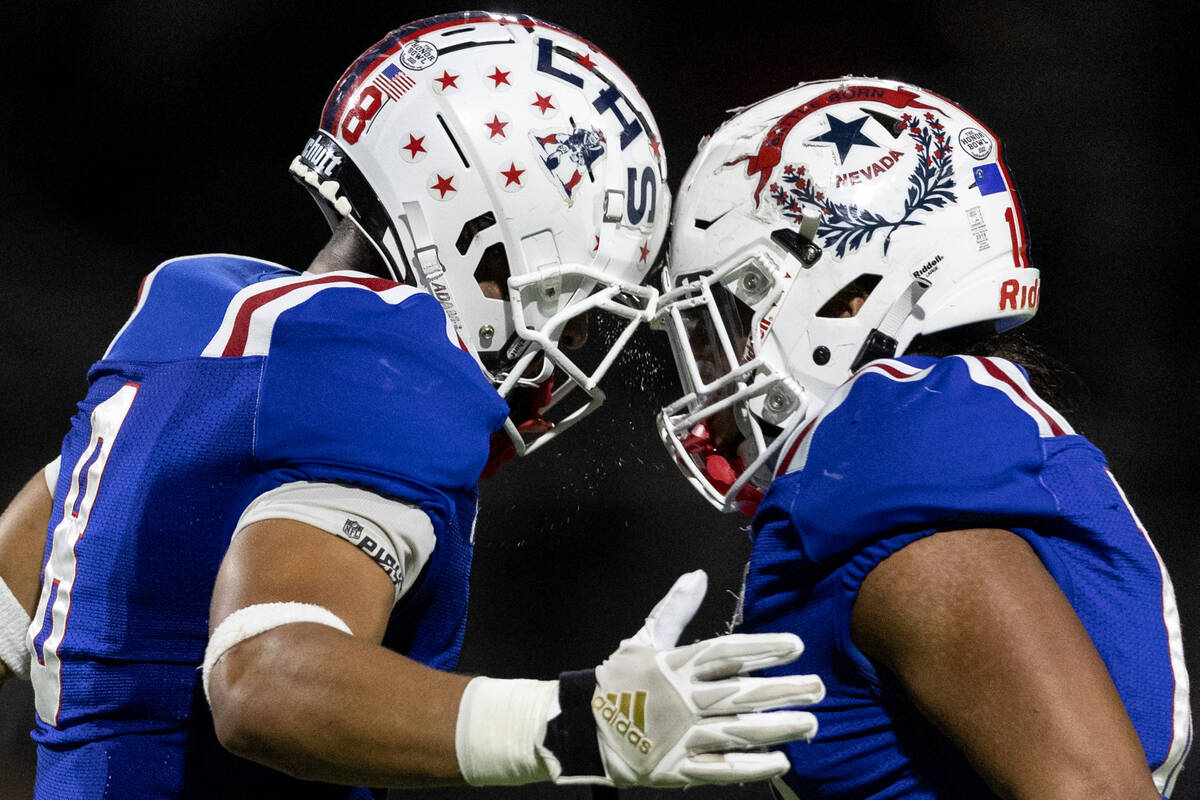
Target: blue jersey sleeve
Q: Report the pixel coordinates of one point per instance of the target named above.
(914, 444)
(361, 387)
(181, 303)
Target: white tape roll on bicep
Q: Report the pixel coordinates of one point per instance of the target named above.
(260, 618)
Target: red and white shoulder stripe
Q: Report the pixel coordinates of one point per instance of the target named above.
(796, 454)
(1005, 376)
(250, 317)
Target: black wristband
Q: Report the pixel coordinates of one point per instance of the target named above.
(571, 735)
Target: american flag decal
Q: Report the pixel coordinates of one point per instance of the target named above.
(393, 81)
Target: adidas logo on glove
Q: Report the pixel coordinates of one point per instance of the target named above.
(626, 713)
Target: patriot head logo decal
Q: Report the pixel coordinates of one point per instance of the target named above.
(568, 156)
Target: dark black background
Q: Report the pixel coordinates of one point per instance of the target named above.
(134, 132)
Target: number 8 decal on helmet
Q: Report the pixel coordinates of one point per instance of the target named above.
(514, 171)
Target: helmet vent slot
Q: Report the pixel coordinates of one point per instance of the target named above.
(493, 272)
(471, 229)
(453, 141)
(843, 303)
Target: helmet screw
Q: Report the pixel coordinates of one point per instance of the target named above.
(821, 355)
(777, 402)
(486, 332)
(750, 281)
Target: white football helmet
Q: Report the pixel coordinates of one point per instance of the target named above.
(815, 231)
(476, 147)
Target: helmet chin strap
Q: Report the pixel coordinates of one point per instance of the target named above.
(881, 342)
(425, 252)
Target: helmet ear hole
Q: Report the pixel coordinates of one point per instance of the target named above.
(849, 298)
(493, 271)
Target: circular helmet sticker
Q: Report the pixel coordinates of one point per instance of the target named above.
(418, 55)
(977, 143)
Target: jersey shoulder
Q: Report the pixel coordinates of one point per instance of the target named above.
(918, 442)
(181, 304)
(364, 373)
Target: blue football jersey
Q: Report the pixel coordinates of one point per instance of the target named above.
(232, 377)
(917, 445)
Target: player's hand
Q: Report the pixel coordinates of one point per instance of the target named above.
(682, 716)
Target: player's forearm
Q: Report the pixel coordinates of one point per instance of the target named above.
(990, 650)
(321, 705)
(22, 541)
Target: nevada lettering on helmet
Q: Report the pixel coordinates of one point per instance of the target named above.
(867, 173)
(770, 152)
(907, 222)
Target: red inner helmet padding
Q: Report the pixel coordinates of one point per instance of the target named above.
(525, 407)
(719, 471)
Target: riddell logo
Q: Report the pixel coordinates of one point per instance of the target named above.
(626, 713)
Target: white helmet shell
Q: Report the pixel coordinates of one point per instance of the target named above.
(475, 147)
(854, 187)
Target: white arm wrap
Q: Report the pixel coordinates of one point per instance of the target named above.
(14, 629)
(260, 618)
(501, 725)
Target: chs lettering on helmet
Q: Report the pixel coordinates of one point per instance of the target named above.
(817, 230)
(523, 195)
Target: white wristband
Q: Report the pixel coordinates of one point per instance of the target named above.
(260, 618)
(14, 630)
(501, 724)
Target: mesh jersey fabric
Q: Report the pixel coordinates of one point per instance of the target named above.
(246, 376)
(917, 445)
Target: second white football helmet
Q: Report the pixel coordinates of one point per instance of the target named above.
(481, 148)
(815, 231)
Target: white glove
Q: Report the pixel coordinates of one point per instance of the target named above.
(680, 716)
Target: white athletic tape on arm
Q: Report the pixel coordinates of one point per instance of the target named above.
(14, 630)
(50, 473)
(260, 618)
(397, 536)
(501, 724)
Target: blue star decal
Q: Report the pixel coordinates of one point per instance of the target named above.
(845, 135)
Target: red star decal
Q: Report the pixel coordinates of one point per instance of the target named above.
(512, 174)
(645, 253)
(447, 80)
(543, 103)
(789, 169)
(444, 185)
(499, 77)
(496, 127)
(596, 246)
(586, 62)
(414, 145)
(655, 147)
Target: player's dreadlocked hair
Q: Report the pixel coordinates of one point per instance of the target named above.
(1053, 380)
